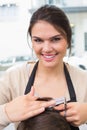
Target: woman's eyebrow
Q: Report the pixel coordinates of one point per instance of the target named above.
(36, 37)
(58, 35)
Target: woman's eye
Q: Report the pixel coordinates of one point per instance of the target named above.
(38, 40)
(56, 39)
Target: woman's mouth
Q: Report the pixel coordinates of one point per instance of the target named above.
(49, 57)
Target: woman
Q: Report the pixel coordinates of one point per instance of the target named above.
(50, 33)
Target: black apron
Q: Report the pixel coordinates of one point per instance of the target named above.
(69, 84)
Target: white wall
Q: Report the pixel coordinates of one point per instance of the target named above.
(80, 22)
(76, 2)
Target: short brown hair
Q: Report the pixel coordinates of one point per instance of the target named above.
(50, 119)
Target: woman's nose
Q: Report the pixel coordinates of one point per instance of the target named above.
(47, 47)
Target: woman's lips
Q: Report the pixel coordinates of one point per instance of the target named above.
(49, 58)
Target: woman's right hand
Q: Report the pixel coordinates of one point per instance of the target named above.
(25, 106)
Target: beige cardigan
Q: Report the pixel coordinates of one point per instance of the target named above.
(14, 81)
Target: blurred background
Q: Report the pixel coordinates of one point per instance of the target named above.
(14, 21)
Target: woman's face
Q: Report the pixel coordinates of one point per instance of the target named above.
(48, 43)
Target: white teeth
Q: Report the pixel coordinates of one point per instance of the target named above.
(48, 56)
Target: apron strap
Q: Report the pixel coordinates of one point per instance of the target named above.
(31, 79)
(70, 85)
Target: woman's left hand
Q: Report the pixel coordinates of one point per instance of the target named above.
(75, 113)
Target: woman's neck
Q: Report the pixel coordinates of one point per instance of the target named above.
(50, 71)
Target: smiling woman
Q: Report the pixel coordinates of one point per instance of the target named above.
(50, 76)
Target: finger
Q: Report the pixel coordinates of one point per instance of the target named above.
(38, 107)
(70, 105)
(64, 113)
(29, 97)
(70, 119)
(50, 103)
(43, 104)
(73, 120)
(34, 113)
(60, 107)
(68, 113)
(34, 104)
(32, 91)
